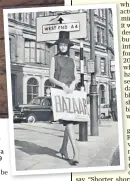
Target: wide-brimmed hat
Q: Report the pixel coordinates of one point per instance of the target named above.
(64, 38)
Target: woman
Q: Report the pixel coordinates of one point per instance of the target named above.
(63, 75)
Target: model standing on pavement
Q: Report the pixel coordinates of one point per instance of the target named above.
(63, 75)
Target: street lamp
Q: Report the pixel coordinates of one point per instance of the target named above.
(93, 85)
(83, 127)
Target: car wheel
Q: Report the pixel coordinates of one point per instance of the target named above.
(102, 116)
(51, 120)
(31, 118)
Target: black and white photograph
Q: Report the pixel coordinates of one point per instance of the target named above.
(64, 95)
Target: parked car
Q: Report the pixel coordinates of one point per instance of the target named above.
(18, 116)
(38, 109)
(104, 111)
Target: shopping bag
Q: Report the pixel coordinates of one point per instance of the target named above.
(72, 106)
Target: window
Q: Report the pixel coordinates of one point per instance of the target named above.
(51, 13)
(46, 102)
(103, 66)
(43, 54)
(29, 51)
(102, 94)
(113, 92)
(11, 15)
(14, 93)
(45, 13)
(47, 56)
(101, 13)
(20, 16)
(100, 35)
(26, 18)
(32, 18)
(40, 53)
(110, 16)
(113, 75)
(96, 11)
(111, 44)
(32, 89)
(47, 87)
(35, 101)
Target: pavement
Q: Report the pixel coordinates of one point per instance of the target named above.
(37, 146)
(115, 161)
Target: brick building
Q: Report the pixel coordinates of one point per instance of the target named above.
(30, 60)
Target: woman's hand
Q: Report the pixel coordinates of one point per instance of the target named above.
(65, 88)
(72, 87)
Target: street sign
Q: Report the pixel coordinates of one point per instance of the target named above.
(56, 28)
(48, 28)
(90, 66)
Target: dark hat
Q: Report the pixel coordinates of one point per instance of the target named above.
(64, 38)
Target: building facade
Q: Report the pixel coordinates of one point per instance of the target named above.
(30, 60)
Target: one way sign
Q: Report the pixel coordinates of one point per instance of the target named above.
(48, 28)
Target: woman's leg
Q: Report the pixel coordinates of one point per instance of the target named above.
(71, 134)
(65, 140)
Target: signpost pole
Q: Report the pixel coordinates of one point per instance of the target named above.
(83, 127)
(93, 86)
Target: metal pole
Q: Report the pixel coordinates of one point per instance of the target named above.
(83, 127)
(93, 86)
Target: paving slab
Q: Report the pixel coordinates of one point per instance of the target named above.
(37, 146)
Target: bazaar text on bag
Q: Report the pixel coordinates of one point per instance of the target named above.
(70, 105)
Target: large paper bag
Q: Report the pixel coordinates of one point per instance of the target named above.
(69, 106)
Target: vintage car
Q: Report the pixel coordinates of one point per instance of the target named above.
(18, 116)
(38, 109)
(104, 111)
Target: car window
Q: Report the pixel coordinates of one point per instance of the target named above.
(46, 102)
(35, 101)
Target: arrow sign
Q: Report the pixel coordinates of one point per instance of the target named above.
(60, 20)
(48, 28)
